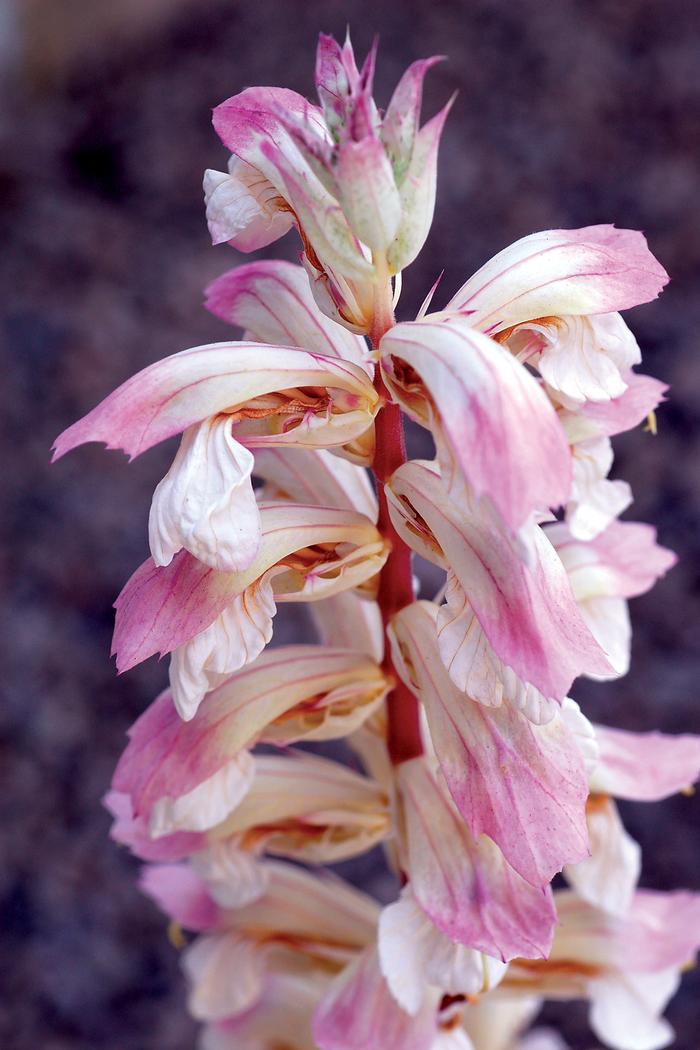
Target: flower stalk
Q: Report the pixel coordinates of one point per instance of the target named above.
(482, 778)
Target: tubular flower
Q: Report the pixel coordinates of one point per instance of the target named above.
(462, 754)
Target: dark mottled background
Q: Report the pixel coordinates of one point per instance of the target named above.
(568, 113)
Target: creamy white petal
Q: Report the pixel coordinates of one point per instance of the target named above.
(625, 1010)
(234, 877)
(595, 500)
(226, 974)
(585, 358)
(413, 953)
(608, 878)
(235, 638)
(206, 805)
(205, 503)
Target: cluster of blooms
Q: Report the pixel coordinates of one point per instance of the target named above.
(474, 769)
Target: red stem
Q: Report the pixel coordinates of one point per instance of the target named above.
(395, 584)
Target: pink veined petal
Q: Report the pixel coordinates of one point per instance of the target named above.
(181, 894)
(494, 426)
(161, 609)
(315, 476)
(272, 301)
(246, 120)
(337, 77)
(465, 885)
(661, 930)
(417, 193)
(360, 1013)
(167, 758)
(645, 767)
(172, 394)
(594, 270)
(524, 786)
(527, 611)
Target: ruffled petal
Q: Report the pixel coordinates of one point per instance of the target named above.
(205, 503)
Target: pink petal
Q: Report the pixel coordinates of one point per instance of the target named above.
(522, 785)
(464, 885)
(132, 831)
(494, 425)
(359, 1013)
(594, 270)
(625, 558)
(169, 758)
(526, 608)
(645, 767)
(162, 608)
(642, 396)
(272, 301)
(181, 894)
(250, 117)
(172, 394)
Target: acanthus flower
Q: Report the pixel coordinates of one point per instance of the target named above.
(482, 778)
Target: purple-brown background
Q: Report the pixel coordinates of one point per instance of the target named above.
(568, 114)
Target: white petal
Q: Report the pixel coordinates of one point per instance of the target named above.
(413, 953)
(585, 357)
(595, 500)
(608, 878)
(234, 639)
(208, 804)
(226, 975)
(233, 876)
(205, 503)
(624, 1010)
(243, 207)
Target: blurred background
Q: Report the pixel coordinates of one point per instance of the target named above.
(568, 113)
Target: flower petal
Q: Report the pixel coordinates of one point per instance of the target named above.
(494, 426)
(464, 885)
(359, 1013)
(608, 878)
(225, 973)
(368, 193)
(527, 611)
(595, 501)
(205, 503)
(161, 609)
(594, 270)
(402, 117)
(413, 953)
(208, 803)
(522, 785)
(315, 476)
(173, 394)
(645, 767)
(181, 893)
(244, 208)
(271, 300)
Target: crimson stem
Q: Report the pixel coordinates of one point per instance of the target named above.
(395, 584)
